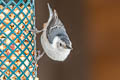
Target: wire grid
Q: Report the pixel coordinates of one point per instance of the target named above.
(17, 44)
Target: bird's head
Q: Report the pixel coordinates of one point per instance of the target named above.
(62, 43)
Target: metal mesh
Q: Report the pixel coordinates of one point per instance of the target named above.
(17, 44)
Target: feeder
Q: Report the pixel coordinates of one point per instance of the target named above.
(17, 43)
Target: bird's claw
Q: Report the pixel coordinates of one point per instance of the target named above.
(39, 55)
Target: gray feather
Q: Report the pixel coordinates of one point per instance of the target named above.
(55, 27)
(57, 30)
(50, 12)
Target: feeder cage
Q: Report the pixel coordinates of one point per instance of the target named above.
(17, 43)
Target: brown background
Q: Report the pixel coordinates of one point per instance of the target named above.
(94, 28)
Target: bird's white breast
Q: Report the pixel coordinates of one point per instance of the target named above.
(51, 51)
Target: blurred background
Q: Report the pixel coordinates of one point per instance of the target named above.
(94, 29)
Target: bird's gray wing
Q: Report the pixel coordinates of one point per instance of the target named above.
(55, 28)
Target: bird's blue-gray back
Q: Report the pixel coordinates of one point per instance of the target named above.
(55, 28)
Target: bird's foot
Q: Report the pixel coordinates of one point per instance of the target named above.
(40, 55)
(36, 30)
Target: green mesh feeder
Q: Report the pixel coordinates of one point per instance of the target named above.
(17, 43)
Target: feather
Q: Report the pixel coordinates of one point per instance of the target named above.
(50, 13)
(55, 26)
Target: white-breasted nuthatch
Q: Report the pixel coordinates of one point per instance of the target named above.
(54, 39)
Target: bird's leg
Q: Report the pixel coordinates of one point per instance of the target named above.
(36, 30)
(40, 55)
(37, 58)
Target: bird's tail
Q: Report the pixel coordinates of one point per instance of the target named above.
(50, 13)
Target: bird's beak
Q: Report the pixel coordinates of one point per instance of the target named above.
(69, 47)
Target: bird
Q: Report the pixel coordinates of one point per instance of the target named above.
(54, 38)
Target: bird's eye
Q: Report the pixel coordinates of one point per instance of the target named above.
(60, 44)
